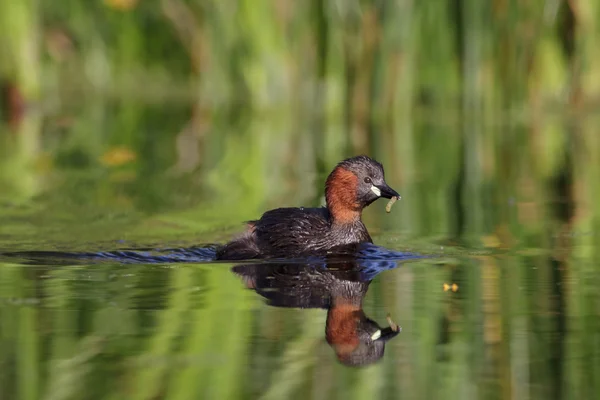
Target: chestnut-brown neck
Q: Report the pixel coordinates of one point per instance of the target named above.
(340, 194)
(341, 326)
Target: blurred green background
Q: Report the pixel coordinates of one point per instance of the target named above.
(168, 122)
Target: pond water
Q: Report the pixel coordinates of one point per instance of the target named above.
(491, 271)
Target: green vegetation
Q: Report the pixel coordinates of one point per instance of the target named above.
(171, 121)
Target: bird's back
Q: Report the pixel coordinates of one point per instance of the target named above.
(292, 232)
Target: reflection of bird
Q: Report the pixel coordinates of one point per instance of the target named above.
(337, 287)
(289, 232)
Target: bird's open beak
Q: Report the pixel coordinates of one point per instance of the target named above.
(385, 191)
(385, 334)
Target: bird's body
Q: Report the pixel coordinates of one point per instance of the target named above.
(293, 232)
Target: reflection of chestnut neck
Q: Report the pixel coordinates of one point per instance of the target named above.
(340, 194)
(343, 318)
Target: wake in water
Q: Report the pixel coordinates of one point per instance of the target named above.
(125, 256)
(370, 256)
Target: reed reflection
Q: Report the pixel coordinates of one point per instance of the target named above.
(339, 287)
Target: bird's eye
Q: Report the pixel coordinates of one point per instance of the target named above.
(368, 180)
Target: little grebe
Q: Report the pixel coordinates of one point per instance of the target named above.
(290, 232)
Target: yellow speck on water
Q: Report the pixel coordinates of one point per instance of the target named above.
(453, 287)
(118, 156)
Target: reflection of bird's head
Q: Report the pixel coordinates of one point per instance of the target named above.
(356, 339)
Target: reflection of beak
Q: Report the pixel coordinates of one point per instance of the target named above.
(385, 191)
(387, 333)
